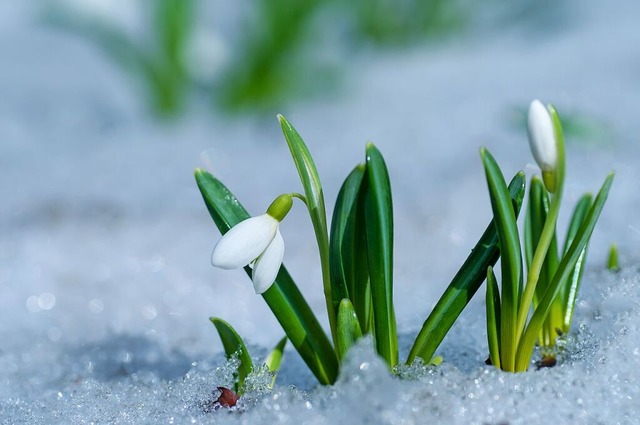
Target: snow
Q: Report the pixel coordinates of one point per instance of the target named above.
(105, 281)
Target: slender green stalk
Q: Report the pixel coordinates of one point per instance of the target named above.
(315, 204)
(548, 232)
(569, 293)
(567, 264)
(493, 317)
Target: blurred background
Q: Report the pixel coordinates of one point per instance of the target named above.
(257, 56)
(106, 106)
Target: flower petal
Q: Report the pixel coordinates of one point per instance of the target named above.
(244, 242)
(267, 265)
(542, 138)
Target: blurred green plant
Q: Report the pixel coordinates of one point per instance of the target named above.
(281, 51)
(400, 22)
(273, 59)
(356, 261)
(158, 63)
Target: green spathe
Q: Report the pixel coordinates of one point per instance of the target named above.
(280, 207)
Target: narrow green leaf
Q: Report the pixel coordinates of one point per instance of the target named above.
(567, 264)
(528, 236)
(379, 229)
(283, 297)
(464, 284)
(348, 327)
(538, 211)
(274, 359)
(511, 258)
(233, 345)
(577, 218)
(493, 317)
(569, 292)
(315, 204)
(348, 248)
(172, 24)
(613, 264)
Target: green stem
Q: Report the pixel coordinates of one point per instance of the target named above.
(548, 232)
(315, 204)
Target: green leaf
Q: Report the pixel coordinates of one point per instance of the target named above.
(173, 23)
(274, 359)
(315, 204)
(511, 258)
(465, 283)
(493, 317)
(569, 292)
(283, 297)
(538, 211)
(613, 264)
(567, 264)
(348, 327)
(233, 345)
(379, 229)
(348, 248)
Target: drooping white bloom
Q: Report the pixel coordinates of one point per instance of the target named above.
(255, 240)
(267, 265)
(542, 140)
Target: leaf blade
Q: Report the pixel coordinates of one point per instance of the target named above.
(379, 230)
(493, 318)
(315, 204)
(464, 284)
(234, 345)
(511, 258)
(348, 327)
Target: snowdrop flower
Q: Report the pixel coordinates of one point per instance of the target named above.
(255, 240)
(542, 139)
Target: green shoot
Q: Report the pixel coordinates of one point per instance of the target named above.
(552, 278)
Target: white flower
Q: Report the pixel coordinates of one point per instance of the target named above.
(542, 140)
(256, 238)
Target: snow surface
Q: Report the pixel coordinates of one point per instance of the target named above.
(105, 282)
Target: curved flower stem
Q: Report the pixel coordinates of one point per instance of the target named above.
(548, 232)
(314, 199)
(300, 196)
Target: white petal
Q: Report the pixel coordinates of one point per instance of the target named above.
(267, 265)
(244, 242)
(542, 137)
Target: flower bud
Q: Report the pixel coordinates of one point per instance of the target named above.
(542, 140)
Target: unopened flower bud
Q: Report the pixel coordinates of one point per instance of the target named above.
(542, 140)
